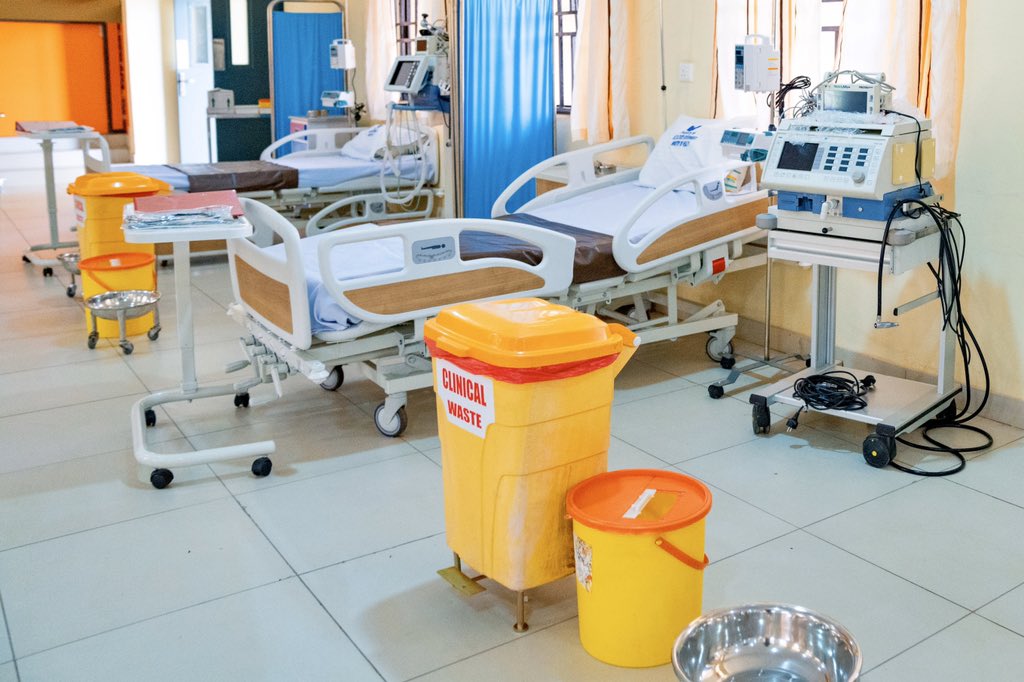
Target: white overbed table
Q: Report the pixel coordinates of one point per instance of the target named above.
(142, 415)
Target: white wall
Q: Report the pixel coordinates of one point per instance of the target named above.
(152, 94)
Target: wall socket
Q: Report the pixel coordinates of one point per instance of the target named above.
(685, 72)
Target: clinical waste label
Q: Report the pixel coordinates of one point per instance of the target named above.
(467, 399)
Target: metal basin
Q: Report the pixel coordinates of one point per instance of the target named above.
(766, 643)
(70, 262)
(131, 303)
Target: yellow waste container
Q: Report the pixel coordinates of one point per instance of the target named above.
(118, 272)
(638, 538)
(524, 394)
(100, 199)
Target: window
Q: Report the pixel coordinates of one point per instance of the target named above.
(407, 31)
(831, 18)
(565, 51)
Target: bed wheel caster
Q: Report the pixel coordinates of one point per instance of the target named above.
(242, 400)
(761, 419)
(261, 467)
(150, 418)
(47, 271)
(127, 347)
(395, 426)
(879, 451)
(716, 391)
(718, 352)
(334, 380)
(71, 290)
(26, 259)
(91, 341)
(161, 478)
(154, 333)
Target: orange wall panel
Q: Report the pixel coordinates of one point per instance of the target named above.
(53, 72)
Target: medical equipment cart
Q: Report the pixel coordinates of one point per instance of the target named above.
(142, 413)
(46, 132)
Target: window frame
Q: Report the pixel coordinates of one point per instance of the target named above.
(406, 25)
(563, 95)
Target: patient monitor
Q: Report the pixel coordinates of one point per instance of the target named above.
(408, 73)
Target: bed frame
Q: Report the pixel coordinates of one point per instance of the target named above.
(273, 302)
(701, 248)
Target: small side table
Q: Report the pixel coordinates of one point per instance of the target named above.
(142, 414)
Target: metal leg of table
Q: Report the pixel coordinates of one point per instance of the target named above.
(51, 208)
(190, 389)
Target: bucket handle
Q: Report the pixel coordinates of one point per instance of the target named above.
(695, 564)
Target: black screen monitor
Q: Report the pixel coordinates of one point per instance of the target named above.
(798, 156)
(853, 101)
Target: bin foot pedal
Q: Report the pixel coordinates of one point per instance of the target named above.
(462, 582)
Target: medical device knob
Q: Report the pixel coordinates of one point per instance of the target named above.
(858, 177)
(766, 221)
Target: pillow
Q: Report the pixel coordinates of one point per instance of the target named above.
(689, 144)
(369, 144)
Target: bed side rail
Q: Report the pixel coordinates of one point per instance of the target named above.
(96, 155)
(434, 275)
(270, 290)
(581, 177)
(719, 217)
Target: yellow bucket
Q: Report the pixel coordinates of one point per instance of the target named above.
(118, 272)
(638, 540)
(524, 393)
(99, 200)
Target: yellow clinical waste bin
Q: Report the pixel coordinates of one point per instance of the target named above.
(118, 272)
(100, 199)
(638, 538)
(524, 394)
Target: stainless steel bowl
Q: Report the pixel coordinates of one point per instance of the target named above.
(766, 643)
(70, 261)
(133, 303)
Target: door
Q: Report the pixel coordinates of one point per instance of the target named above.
(193, 48)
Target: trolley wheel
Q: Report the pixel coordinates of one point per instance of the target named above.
(334, 380)
(727, 362)
(25, 259)
(71, 290)
(161, 478)
(164, 262)
(261, 467)
(717, 353)
(47, 271)
(395, 427)
(154, 333)
(150, 418)
(879, 450)
(761, 419)
(91, 341)
(716, 391)
(127, 347)
(242, 400)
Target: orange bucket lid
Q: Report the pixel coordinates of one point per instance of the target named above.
(117, 261)
(636, 501)
(116, 185)
(523, 333)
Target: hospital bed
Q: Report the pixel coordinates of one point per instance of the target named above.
(312, 174)
(638, 246)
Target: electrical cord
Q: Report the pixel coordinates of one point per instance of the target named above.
(837, 389)
(777, 100)
(948, 280)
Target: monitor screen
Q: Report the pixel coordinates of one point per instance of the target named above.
(854, 101)
(796, 156)
(403, 73)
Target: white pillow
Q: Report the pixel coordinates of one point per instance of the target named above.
(689, 144)
(369, 144)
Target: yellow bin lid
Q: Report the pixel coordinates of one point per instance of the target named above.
(521, 333)
(634, 501)
(115, 185)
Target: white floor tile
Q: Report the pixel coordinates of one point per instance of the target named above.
(41, 321)
(130, 571)
(801, 477)
(1007, 610)
(971, 649)
(409, 621)
(685, 357)
(734, 526)
(639, 380)
(553, 654)
(954, 541)
(160, 368)
(682, 425)
(276, 632)
(61, 346)
(8, 673)
(884, 613)
(622, 455)
(5, 642)
(997, 473)
(89, 492)
(49, 387)
(357, 511)
(65, 433)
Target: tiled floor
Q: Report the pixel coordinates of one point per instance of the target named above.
(326, 569)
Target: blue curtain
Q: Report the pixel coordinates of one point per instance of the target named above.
(302, 64)
(509, 100)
